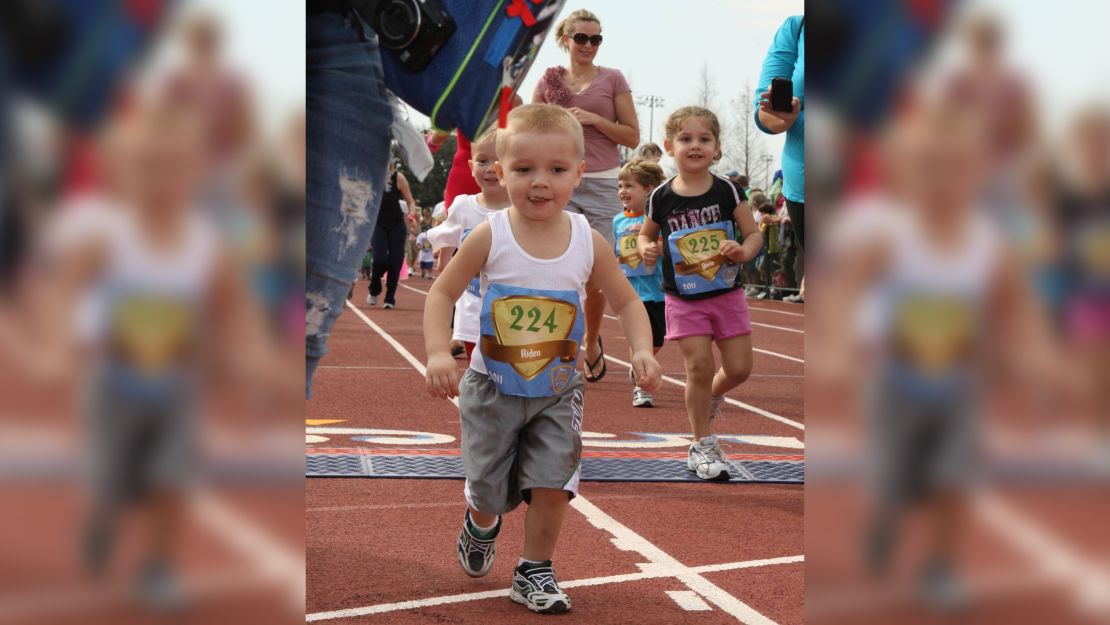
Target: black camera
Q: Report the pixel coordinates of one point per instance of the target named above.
(413, 30)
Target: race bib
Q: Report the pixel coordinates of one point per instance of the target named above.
(632, 264)
(1094, 250)
(699, 266)
(933, 334)
(151, 334)
(530, 339)
(474, 287)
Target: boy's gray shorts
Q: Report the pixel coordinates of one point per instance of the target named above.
(511, 444)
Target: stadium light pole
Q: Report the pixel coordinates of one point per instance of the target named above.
(652, 102)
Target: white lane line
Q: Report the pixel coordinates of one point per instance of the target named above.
(767, 325)
(83, 599)
(781, 312)
(361, 367)
(688, 600)
(754, 349)
(750, 408)
(1088, 580)
(400, 349)
(778, 355)
(659, 561)
(384, 506)
(651, 573)
(660, 564)
(268, 555)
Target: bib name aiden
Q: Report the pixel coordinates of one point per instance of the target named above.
(529, 353)
(694, 217)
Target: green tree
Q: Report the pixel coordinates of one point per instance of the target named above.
(429, 192)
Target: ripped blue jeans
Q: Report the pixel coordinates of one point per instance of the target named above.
(348, 151)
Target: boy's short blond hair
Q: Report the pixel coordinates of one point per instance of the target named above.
(541, 118)
(489, 135)
(644, 172)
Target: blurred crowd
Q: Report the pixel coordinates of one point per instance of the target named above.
(150, 326)
(958, 364)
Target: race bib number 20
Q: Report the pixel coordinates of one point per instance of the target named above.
(530, 339)
(699, 265)
(632, 264)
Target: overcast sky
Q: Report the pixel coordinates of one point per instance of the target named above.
(660, 48)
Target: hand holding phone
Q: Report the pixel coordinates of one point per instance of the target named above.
(782, 95)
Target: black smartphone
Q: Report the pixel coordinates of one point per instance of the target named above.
(782, 95)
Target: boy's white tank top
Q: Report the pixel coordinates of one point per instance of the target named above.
(136, 267)
(508, 264)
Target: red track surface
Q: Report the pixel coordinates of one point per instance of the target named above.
(375, 543)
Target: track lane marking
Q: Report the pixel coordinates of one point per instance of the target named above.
(419, 367)
(659, 562)
(750, 408)
(688, 600)
(652, 573)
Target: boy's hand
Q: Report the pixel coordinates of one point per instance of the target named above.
(651, 253)
(443, 376)
(733, 251)
(647, 371)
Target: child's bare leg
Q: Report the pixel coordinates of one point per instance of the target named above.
(593, 311)
(697, 353)
(164, 510)
(543, 521)
(736, 363)
(948, 514)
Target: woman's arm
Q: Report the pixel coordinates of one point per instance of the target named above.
(625, 131)
(403, 187)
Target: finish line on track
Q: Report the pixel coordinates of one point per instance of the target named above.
(597, 466)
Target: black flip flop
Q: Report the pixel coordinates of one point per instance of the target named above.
(591, 365)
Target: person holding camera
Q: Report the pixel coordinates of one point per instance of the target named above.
(601, 100)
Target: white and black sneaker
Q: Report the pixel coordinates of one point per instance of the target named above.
(640, 397)
(371, 300)
(475, 553)
(707, 460)
(534, 586)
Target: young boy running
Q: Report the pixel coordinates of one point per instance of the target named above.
(521, 400)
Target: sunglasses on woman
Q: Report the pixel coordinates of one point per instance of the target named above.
(582, 38)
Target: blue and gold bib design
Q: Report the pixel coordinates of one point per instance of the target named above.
(631, 263)
(530, 339)
(699, 266)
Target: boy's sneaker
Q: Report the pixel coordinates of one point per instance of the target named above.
(715, 407)
(372, 300)
(476, 554)
(388, 305)
(534, 586)
(707, 461)
(159, 589)
(941, 588)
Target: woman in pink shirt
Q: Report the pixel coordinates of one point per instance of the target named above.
(599, 97)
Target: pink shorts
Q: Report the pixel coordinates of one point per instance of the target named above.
(1089, 319)
(721, 317)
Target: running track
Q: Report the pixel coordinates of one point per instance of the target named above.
(382, 550)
